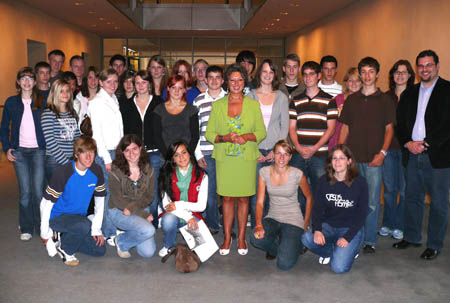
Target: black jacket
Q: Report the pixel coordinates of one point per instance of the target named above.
(132, 122)
(437, 122)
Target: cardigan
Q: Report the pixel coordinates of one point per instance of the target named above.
(133, 124)
(252, 122)
(12, 113)
(278, 127)
(437, 122)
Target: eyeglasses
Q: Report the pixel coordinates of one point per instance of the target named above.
(278, 154)
(309, 74)
(26, 78)
(339, 158)
(403, 73)
(429, 65)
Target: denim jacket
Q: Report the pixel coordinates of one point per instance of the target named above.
(12, 113)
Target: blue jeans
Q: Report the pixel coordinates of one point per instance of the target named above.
(170, 225)
(313, 168)
(341, 257)
(373, 176)
(76, 235)
(394, 185)
(30, 173)
(281, 240)
(155, 162)
(211, 213)
(421, 176)
(264, 152)
(137, 232)
(108, 228)
(50, 166)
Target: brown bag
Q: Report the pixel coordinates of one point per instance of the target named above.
(185, 259)
(86, 126)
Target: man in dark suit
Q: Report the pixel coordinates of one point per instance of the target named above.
(423, 129)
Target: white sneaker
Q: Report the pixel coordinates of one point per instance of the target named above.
(111, 241)
(120, 253)
(25, 237)
(324, 261)
(69, 260)
(397, 234)
(163, 252)
(385, 231)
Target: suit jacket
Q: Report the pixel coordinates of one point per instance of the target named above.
(252, 122)
(437, 122)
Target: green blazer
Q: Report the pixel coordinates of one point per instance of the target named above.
(252, 122)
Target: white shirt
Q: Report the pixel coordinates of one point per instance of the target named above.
(332, 89)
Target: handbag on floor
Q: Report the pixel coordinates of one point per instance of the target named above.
(185, 259)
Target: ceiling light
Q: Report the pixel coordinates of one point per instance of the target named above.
(109, 23)
(101, 18)
(276, 19)
(284, 13)
(266, 28)
(94, 25)
(91, 12)
(272, 24)
(79, 3)
(116, 27)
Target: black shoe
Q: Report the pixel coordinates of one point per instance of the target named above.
(429, 254)
(269, 256)
(369, 249)
(213, 231)
(403, 244)
(304, 250)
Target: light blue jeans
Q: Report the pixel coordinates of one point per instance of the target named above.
(170, 225)
(373, 176)
(341, 257)
(138, 232)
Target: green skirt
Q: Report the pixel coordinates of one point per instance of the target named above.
(236, 177)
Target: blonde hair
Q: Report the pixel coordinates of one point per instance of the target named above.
(54, 100)
(352, 72)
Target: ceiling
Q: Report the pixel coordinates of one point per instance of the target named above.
(275, 18)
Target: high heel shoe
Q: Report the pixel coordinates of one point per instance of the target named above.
(243, 251)
(223, 251)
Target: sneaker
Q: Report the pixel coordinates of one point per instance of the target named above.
(51, 246)
(25, 237)
(324, 261)
(163, 252)
(69, 260)
(397, 234)
(356, 256)
(385, 231)
(122, 254)
(110, 241)
(369, 249)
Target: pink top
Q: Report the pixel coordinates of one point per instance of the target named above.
(266, 111)
(334, 139)
(27, 132)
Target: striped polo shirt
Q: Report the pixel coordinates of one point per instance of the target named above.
(203, 103)
(312, 115)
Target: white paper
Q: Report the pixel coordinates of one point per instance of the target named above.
(201, 241)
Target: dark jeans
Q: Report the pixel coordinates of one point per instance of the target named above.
(156, 163)
(211, 213)
(281, 240)
(394, 186)
(50, 166)
(76, 235)
(313, 168)
(30, 173)
(341, 257)
(264, 152)
(421, 176)
(108, 229)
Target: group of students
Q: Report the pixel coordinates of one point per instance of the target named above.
(163, 148)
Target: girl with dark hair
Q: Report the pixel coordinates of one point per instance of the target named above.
(275, 110)
(175, 119)
(131, 183)
(128, 89)
(235, 127)
(157, 68)
(339, 212)
(279, 233)
(89, 89)
(24, 144)
(401, 77)
(183, 188)
(60, 127)
(137, 120)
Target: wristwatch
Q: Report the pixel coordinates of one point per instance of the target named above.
(383, 152)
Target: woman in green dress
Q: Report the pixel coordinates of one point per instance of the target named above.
(235, 127)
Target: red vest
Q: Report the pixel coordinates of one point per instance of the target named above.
(194, 188)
